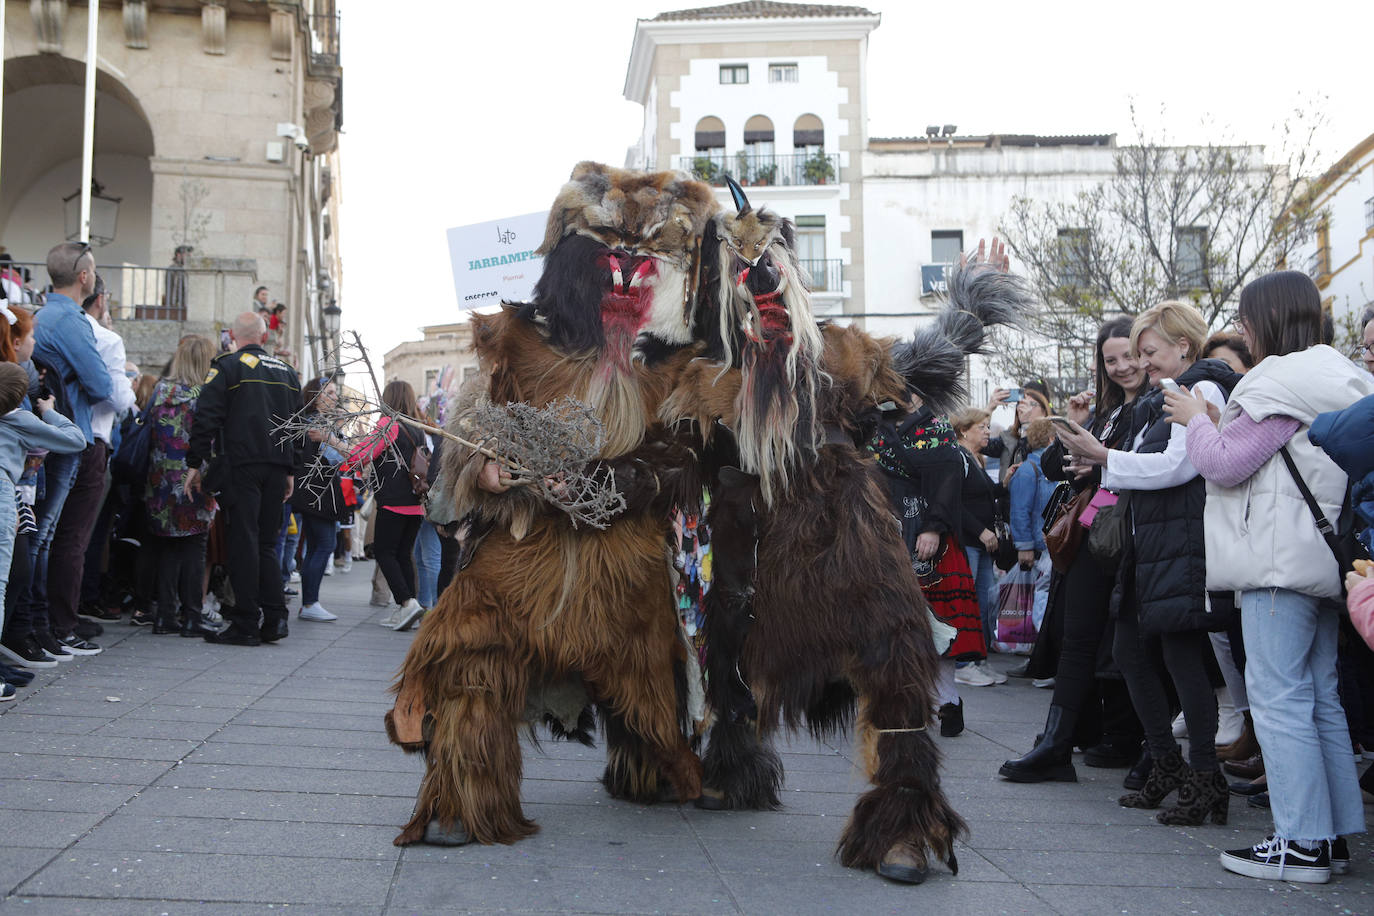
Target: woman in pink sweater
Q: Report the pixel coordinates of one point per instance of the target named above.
(1263, 541)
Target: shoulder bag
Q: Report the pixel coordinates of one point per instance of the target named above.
(1345, 547)
(1065, 534)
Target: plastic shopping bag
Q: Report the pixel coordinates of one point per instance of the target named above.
(1015, 606)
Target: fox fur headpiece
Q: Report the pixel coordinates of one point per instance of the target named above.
(760, 321)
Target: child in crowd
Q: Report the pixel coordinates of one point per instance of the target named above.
(1030, 493)
(20, 431)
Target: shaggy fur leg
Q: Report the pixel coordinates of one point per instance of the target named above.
(632, 771)
(742, 771)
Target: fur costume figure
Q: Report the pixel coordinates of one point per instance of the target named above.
(828, 611)
(543, 610)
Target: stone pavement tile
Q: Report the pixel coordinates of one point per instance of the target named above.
(833, 804)
(161, 712)
(548, 848)
(389, 760)
(85, 906)
(764, 826)
(446, 887)
(101, 746)
(337, 690)
(153, 728)
(865, 892)
(128, 832)
(51, 795)
(1349, 894)
(22, 721)
(302, 736)
(615, 819)
(293, 779)
(74, 769)
(17, 864)
(45, 829)
(815, 856)
(1050, 866)
(1256, 897)
(219, 876)
(335, 721)
(852, 780)
(990, 835)
(306, 708)
(263, 805)
(238, 699)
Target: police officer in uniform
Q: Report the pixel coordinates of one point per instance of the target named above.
(247, 393)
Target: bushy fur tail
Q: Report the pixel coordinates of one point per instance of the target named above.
(978, 298)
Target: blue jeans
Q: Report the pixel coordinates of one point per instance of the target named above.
(427, 565)
(319, 547)
(9, 524)
(286, 543)
(59, 473)
(985, 585)
(1290, 675)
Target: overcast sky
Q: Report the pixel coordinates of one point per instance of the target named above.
(458, 113)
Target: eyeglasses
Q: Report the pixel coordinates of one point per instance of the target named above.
(85, 250)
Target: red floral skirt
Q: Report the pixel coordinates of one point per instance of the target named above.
(954, 601)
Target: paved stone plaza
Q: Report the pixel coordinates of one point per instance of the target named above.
(171, 776)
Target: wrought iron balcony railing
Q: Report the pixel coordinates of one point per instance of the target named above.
(763, 169)
(826, 274)
(136, 292)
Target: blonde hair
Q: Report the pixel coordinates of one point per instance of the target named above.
(191, 362)
(966, 419)
(1039, 433)
(1172, 320)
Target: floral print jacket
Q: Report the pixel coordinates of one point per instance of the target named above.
(170, 513)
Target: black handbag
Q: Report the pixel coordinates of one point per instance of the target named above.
(1345, 547)
(131, 460)
(1005, 557)
(1108, 533)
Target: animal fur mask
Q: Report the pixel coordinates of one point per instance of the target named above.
(651, 223)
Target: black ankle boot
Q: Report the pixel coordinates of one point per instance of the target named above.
(164, 623)
(1141, 771)
(1052, 758)
(1168, 774)
(1203, 793)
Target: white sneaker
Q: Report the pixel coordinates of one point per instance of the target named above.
(1180, 727)
(329, 569)
(1042, 682)
(348, 563)
(316, 611)
(407, 614)
(973, 676)
(390, 620)
(295, 575)
(997, 676)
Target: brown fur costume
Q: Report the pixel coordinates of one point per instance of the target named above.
(541, 603)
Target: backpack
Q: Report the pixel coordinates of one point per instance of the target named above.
(131, 460)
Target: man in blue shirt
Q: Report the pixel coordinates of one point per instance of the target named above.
(65, 350)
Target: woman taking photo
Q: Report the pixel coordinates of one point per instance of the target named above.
(1162, 608)
(1085, 711)
(1263, 541)
(321, 505)
(391, 448)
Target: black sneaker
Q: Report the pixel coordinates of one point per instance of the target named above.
(49, 644)
(141, 618)
(87, 629)
(952, 719)
(1280, 860)
(75, 645)
(1339, 852)
(7, 691)
(24, 651)
(16, 676)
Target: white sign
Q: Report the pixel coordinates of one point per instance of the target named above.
(495, 261)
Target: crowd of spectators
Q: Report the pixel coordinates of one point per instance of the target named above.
(164, 500)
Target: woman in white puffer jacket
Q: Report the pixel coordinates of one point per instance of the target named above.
(1263, 541)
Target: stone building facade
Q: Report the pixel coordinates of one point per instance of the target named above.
(441, 360)
(216, 127)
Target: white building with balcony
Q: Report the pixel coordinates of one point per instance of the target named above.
(773, 95)
(1339, 255)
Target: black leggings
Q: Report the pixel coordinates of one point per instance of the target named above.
(393, 545)
(1100, 705)
(1184, 655)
